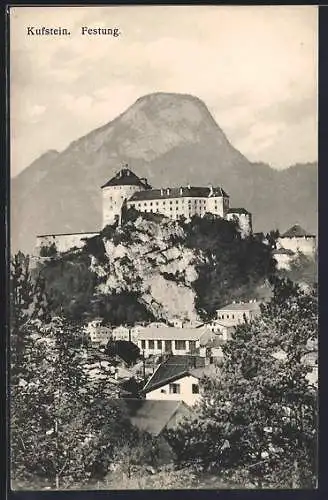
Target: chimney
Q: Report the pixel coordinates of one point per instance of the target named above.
(162, 191)
(211, 191)
(188, 186)
(168, 191)
(181, 191)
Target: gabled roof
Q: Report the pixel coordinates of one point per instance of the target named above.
(241, 306)
(172, 369)
(237, 211)
(125, 177)
(296, 231)
(283, 251)
(169, 333)
(154, 416)
(179, 192)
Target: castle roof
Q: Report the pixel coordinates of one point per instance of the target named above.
(296, 231)
(125, 177)
(179, 192)
(238, 211)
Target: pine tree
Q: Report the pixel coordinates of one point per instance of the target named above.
(260, 415)
(63, 432)
(27, 302)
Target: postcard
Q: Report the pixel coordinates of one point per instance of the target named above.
(163, 233)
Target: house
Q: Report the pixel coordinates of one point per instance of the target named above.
(211, 346)
(97, 333)
(155, 417)
(122, 333)
(156, 341)
(296, 239)
(283, 257)
(221, 329)
(237, 313)
(178, 379)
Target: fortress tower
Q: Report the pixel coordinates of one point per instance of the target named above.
(244, 219)
(117, 191)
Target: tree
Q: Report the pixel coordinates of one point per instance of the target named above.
(260, 415)
(28, 302)
(63, 431)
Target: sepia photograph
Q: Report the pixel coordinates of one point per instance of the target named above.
(163, 247)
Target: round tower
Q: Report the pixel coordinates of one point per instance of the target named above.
(116, 191)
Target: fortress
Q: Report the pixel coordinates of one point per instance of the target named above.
(126, 189)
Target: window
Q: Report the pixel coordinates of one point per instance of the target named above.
(151, 344)
(177, 201)
(174, 388)
(180, 345)
(151, 203)
(233, 316)
(156, 202)
(195, 388)
(159, 344)
(143, 344)
(171, 202)
(163, 391)
(227, 315)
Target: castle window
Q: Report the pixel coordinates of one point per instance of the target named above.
(171, 209)
(164, 202)
(151, 203)
(177, 201)
(171, 202)
(145, 203)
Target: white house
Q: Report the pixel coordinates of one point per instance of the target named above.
(180, 341)
(296, 239)
(283, 257)
(122, 333)
(221, 329)
(97, 333)
(237, 312)
(178, 379)
(211, 346)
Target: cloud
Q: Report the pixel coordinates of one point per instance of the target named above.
(254, 67)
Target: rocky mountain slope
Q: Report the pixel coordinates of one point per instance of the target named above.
(171, 139)
(142, 260)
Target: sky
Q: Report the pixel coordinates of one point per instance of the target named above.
(254, 67)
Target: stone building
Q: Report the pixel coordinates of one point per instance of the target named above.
(127, 190)
(296, 239)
